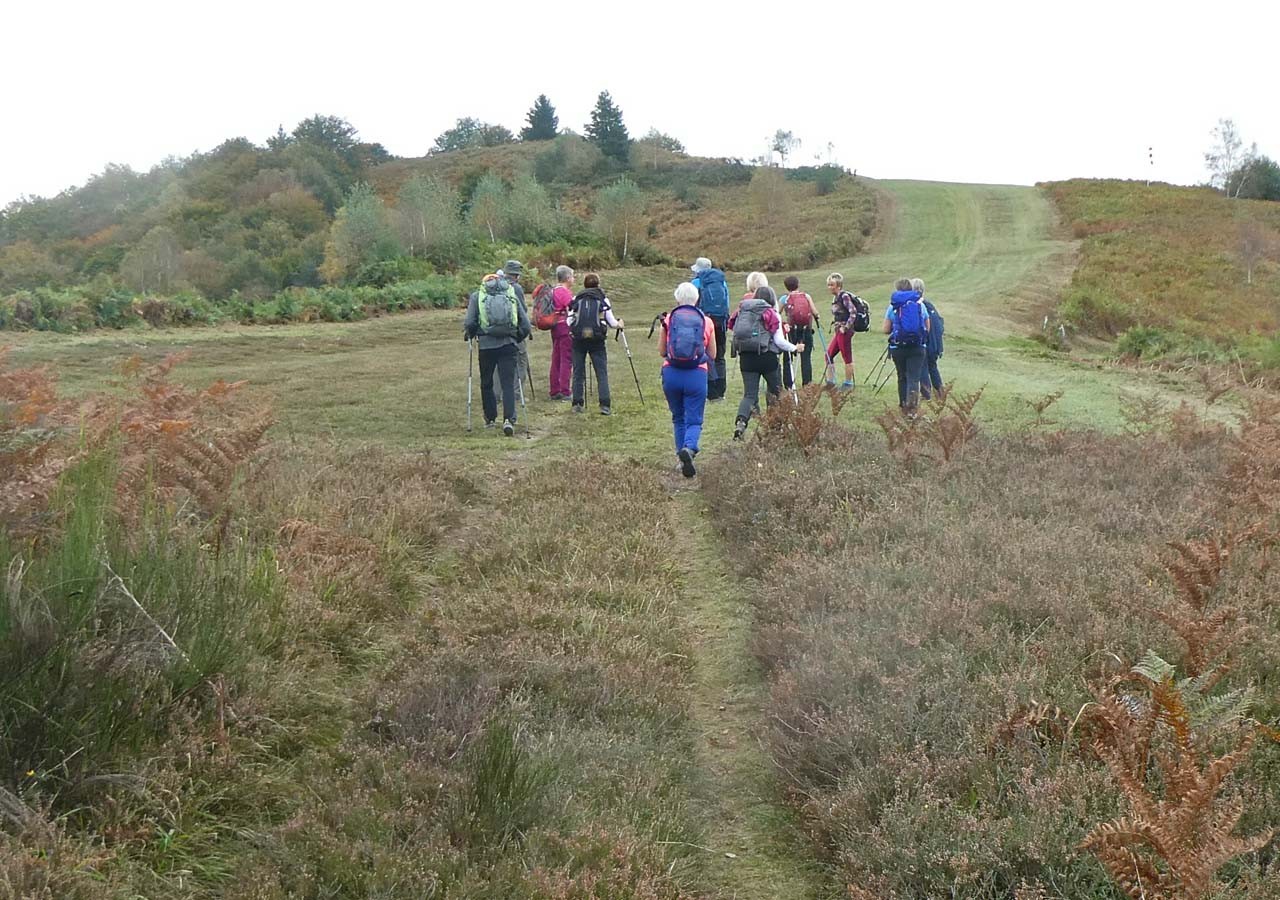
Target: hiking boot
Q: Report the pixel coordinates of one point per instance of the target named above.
(491, 424)
(577, 407)
(739, 429)
(508, 427)
(686, 462)
(606, 411)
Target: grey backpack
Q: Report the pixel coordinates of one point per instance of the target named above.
(749, 332)
(497, 308)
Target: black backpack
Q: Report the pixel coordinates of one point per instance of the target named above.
(588, 321)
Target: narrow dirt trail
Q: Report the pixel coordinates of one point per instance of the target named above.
(754, 851)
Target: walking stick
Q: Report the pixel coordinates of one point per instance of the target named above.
(524, 407)
(828, 373)
(883, 360)
(625, 346)
(471, 355)
(791, 374)
(889, 373)
(528, 369)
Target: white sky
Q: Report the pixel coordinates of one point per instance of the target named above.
(961, 91)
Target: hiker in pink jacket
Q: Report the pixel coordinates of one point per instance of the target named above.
(561, 340)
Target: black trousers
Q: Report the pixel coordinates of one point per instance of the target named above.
(599, 361)
(798, 336)
(717, 377)
(503, 359)
(755, 366)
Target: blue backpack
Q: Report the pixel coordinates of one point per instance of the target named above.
(713, 293)
(686, 328)
(908, 320)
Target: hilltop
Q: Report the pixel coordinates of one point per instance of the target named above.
(317, 224)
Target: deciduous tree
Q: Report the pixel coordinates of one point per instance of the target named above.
(431, 221)
(469, 132)
(783, 143)
(361, 233)
(1228, 155)
(154, 263)
(620, 213)
(487, 213)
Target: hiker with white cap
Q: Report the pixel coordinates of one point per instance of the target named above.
(713, 300)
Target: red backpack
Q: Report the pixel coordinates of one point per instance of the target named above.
(800, 309)
(544, 309)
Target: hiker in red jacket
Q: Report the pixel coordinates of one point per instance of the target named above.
(561, 340)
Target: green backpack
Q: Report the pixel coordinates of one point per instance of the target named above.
(498, 308)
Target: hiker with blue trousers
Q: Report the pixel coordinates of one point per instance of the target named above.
(497, 321)
(906, 322)
(713, 300)
(757, 341)
(687, 339)
(590, 318)
(931, 380)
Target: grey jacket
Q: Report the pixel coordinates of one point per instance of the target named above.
(471, 325)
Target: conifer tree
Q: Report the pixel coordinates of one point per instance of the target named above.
(607, 131)
(544, 124)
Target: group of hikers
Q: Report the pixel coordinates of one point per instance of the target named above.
(769, 333)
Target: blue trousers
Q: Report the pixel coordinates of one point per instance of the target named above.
(686, 391)
(931, 379)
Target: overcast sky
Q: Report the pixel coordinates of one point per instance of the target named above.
(979, 91)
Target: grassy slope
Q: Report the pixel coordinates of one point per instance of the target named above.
(984, 252)
(1169, 257)
(986, 255)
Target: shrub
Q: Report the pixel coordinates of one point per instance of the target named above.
(1144, 342)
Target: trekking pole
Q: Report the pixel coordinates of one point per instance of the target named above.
(828, 373)
(528, 368)
(627, 347)
(873, 375)
(889, 373)
(471, 355)
(524, 407)
(791, 375)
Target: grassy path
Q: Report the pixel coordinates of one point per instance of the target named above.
(988, 255)
(754, 853)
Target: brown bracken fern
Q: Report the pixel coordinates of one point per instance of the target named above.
(190, 445)
(1209, 632)
(1153, 735)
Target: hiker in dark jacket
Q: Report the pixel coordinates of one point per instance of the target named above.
(931, 378)
(713, 300)
(497, 342)
(906, 321)
(590, 318)
(514, 271)
(757, 340)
